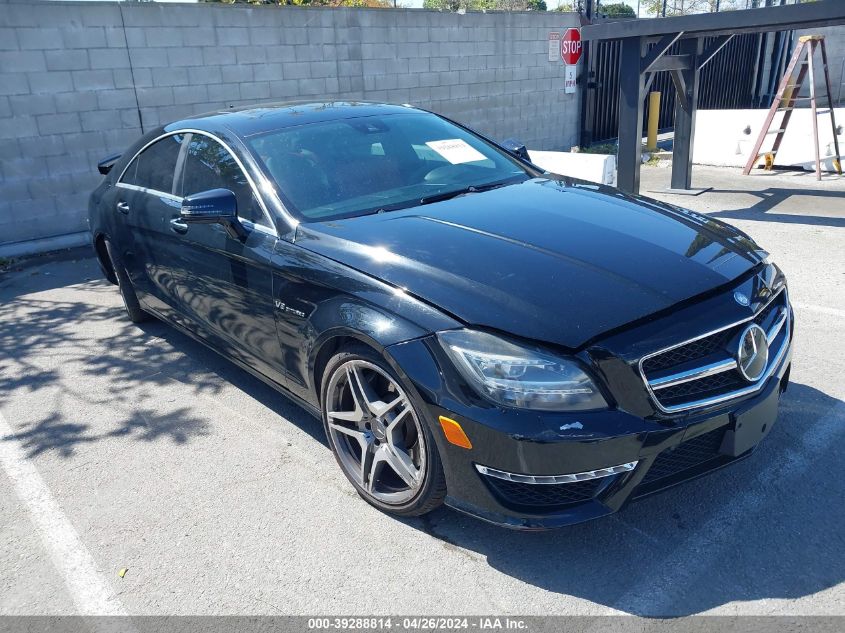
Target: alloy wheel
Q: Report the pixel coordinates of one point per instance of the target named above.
(376, 432)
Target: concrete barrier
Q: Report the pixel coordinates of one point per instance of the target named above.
(726, 138)
(599, 168)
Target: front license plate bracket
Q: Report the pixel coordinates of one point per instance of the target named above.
(751, 425)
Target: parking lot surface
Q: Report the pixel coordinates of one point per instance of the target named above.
(133, 449)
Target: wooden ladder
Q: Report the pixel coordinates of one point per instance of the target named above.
(787, 97)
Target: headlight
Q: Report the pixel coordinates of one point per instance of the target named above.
(518, 376)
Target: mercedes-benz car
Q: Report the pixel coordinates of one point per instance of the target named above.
(528, 348)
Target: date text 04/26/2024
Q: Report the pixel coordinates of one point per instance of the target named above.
(481, 623)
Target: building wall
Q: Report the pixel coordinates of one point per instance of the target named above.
(81, 80)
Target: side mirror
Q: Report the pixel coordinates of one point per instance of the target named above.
(215, 206)
(517, 148)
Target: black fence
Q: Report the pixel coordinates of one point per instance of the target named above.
(744, 74)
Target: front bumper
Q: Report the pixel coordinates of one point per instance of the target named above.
(665, 450)
(664, 458)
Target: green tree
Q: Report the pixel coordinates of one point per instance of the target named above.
(617, 10)
(485, 5)
(689, 7)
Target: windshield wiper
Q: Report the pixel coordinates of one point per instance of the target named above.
(396, 206)
(437, 197)
(446, 195)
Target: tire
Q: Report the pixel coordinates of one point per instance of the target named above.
(133, 308)
(403, 474)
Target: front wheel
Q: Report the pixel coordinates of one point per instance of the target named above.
(377, 436)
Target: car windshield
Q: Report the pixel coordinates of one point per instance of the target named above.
(343, 168)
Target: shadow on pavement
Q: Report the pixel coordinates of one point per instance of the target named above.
(224, 371)
(36, 328)
(774, 196)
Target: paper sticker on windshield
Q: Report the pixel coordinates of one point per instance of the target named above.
(456, 151)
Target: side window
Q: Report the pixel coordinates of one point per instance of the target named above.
(208, 165)
(154, 167)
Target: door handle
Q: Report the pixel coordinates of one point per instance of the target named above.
(123, 207)
(178, 226)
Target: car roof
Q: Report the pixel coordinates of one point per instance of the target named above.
(259, 119)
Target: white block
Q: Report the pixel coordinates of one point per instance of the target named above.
(599, 168)
(727, 137)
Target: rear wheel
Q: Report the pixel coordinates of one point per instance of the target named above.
(133, 308)
(377, 436)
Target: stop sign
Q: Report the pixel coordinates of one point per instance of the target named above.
(570, 47)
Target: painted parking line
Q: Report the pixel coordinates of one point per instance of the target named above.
(89, 591)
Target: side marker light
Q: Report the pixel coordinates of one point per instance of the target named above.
(454, 433)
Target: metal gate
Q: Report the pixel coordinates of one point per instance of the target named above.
(743, 74)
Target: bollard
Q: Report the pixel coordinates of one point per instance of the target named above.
(653, 119)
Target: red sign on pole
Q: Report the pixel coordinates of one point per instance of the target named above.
(570, 47)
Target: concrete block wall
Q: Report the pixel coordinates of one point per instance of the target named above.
(66, 100)
(81, 80)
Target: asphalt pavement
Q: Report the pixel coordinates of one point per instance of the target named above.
(141, 473)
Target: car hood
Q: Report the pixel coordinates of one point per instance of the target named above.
(560, 261)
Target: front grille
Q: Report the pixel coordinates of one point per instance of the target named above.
(696, 350)
(764, 318)
(701, 388)
(671, 374)
(543, 496)
(685, 456)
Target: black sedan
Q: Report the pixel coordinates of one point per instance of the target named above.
(530, 349)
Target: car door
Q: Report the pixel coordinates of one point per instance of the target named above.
(181, 271)
(238, 306)
(144, 204)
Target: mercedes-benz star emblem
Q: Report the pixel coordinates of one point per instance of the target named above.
(741, 298)
(753, 354)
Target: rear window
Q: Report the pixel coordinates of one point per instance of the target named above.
(154, 167)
